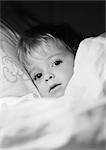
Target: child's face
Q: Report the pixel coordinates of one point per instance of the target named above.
(52, 72)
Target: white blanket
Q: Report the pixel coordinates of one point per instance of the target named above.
(31, 123)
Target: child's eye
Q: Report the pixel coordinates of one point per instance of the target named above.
(37, 76)
(57, 62)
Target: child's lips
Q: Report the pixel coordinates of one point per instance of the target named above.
(54, 87)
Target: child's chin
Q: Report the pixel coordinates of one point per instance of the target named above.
(57, 94)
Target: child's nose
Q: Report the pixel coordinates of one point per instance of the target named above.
(49, 76)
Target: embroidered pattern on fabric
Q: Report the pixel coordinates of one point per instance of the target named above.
(11, 71)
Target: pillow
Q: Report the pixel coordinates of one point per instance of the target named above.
(13, 78)
(90, 69)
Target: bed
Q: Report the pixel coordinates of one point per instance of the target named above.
(76, 121)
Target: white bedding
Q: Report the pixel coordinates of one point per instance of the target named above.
(77, 118)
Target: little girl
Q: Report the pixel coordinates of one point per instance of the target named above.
(48, 59)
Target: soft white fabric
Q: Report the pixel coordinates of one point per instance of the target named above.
(37, 123)
(90, 70)
(13, 78)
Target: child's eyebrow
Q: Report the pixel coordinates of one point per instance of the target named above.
(57, 54)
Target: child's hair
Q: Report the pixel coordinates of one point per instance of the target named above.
(42, 35)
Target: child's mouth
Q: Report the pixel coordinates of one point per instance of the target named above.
(54, 86)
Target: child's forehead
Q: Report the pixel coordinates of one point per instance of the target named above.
(48, 48)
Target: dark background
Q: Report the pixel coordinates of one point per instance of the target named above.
(86, 17)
